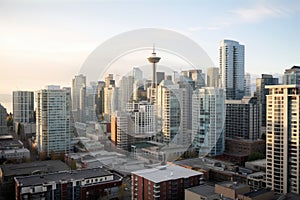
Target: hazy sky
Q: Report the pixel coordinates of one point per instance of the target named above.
(46, 42)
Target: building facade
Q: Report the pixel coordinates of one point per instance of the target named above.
(213, 77)
(23, 106)
(208, 120)
(261, 92)
(3, 125)
(282, 148)
(242, 118)
(232, 69)
(53, 120)
(79, 184)
(78, 97)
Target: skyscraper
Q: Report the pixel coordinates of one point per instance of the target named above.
(242, 118)
(78, 97)
(212, 77)
(100, 100)
(23, 106)
(291, 76)
(247, 85)
(283, 133)
(261, 92)
(208, 120)
(3, 126)
(232, 69)
(53, 120)
(168, 103)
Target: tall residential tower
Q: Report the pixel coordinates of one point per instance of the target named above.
(232, 69)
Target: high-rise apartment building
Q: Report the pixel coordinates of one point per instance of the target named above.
(232, 69)
(195, 75)
(169, 111)
(282, 137)
(261, 92)
(242, 118)
(213, 77)
(291, 76)
(208, 120)
(111, 96)
(53, 120)
(23, 106)
(78, 97)
(3, 125)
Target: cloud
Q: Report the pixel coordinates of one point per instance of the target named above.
(258, 13)
(251, 14)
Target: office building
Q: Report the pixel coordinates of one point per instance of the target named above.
(23, 106)
(120, 128)
(160, 76)
(53, 120)
(163, 182)
(232, 69)
(213, 77)
(282, 137)
(111, 95)
(125, 91)
(291, 76)
(261, 92)
(195, 75)
(78, 97)
(3, 125)
(247, 85)
(242, 118)
(137, 74)
(100, 100)
(79, 184)
(208, 121)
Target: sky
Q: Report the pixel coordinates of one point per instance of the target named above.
(46, 42)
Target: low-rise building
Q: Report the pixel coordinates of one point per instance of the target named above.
(265, 194)
(79, 184)
(256, 180)
(203, 192)
(163, 182)
(231, 189)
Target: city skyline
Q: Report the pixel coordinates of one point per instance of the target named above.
(46, 43)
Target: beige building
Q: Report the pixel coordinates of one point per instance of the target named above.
(282, 131)
(231, 189)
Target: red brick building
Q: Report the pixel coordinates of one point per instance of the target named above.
(163, 182)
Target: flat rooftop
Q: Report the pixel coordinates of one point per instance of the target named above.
(256, 193)
(48, 166)
(165, 173)
(65, 176)
(203, 190)
(232, 185)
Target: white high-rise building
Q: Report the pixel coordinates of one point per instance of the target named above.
(53, 120)
(212, 77)
(23, 106)
(282, 138)
(208, 120)
(232, 69)
(78, 97)
(111, 103)
(144, 119)
(126, 91)
(168, 111)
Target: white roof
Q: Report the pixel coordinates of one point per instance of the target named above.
(166, 172)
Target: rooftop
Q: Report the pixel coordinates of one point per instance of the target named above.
(203, 190)
(32, 167)
(233, 185)
(64, 176)
(165, 173)
(256, 193)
